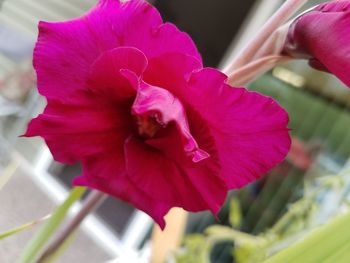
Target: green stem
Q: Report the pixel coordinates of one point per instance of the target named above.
(94, 199)
(276, 20)
(65, 245)
(35, 245)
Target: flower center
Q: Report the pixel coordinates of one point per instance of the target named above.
(154, 108)
(147, 125)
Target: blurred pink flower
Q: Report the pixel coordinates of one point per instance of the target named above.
(128, 97)
(322, 35)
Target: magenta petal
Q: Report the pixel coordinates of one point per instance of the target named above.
(160, 104)
(83, 125)
(334, 6)
(171, 71)
(65, 50)
(138, 24)
(323, 36)
(172, 177)
(112, 73)
(106, 173)
(250, 130)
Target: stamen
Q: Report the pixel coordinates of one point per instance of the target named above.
(148, 125)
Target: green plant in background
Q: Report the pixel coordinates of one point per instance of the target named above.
(196, 249)
(323, 197)
(23, 227)
(328, 244)
(33, 248)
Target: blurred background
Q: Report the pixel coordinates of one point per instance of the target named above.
(305, 190)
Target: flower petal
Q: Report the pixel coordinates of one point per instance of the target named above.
(106, 173)
(96, 119)
(138, 24)
(72, 46)
(250, 130)
(172, 177)
(323, 36)
(115, 73)
(83, 125)
(171, 71)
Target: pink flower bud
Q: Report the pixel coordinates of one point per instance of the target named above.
(322, 36)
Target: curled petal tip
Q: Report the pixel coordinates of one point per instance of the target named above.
(200, 155)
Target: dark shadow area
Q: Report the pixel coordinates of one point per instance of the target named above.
(211, 24)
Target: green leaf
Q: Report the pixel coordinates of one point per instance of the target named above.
(35, 245)
(196, 250)
(7, 173)
(23, 227)
(342, 255)
(235, 214)
(326, 242)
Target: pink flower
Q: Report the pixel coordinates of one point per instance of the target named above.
(322, 35)
(128, 97)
